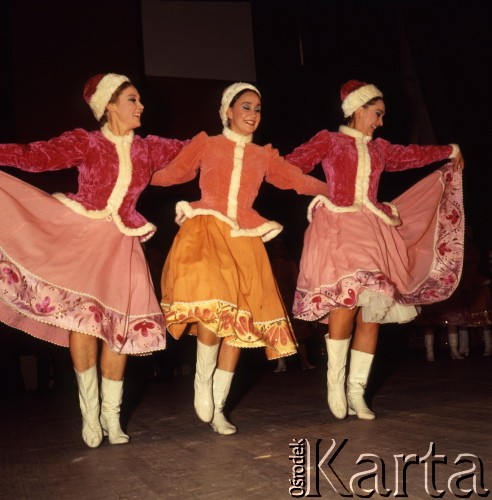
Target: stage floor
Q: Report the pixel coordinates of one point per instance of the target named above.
(438, 412)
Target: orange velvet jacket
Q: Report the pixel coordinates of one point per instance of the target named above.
(232, 169)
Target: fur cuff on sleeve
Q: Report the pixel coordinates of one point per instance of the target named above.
(455, 151)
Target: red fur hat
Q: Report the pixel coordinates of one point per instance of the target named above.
(355, 94)
(99, 89)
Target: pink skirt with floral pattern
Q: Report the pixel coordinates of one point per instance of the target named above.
(356, 259)
(62, 272)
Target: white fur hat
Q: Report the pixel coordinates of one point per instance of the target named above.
(355, 94)
(228, 96)
(99, 89)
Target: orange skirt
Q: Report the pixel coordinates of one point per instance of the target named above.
(226, 284)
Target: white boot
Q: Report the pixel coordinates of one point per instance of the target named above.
(464, 342)
(111, 397)
(89, 405)
(206, 362)
(429, 346)
(487, 341)
(360, 367)
(453, 346)
(221, 386)
(337, 359)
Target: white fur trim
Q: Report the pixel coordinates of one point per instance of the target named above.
(455, 151)
(185, 211)
(352, 132)
(358, 98)
(77, 207)
(321, 200)
(235, 182)
(120, 189)
(104, 90)
(235, 137)
(228, 96)
(361, 185)
(363, 172)
(123, 145)
(266, 231)
(147, 230)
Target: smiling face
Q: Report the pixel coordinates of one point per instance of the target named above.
(125, 114)
(245, 113)
(368, 118)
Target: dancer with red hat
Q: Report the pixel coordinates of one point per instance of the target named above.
(73, 270)
(365, 262)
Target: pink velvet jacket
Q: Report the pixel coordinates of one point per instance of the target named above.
(232, 169)
(353, 164)
(112, 171)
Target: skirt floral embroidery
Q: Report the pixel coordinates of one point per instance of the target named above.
(226, 284)
(355, 259)
(62, 272)
(470, 305)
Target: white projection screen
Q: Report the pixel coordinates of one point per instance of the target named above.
(193, 39)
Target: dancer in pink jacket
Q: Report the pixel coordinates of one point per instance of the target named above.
(366, 262)
(72, 267)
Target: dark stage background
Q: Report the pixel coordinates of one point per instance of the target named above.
(430, 58)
